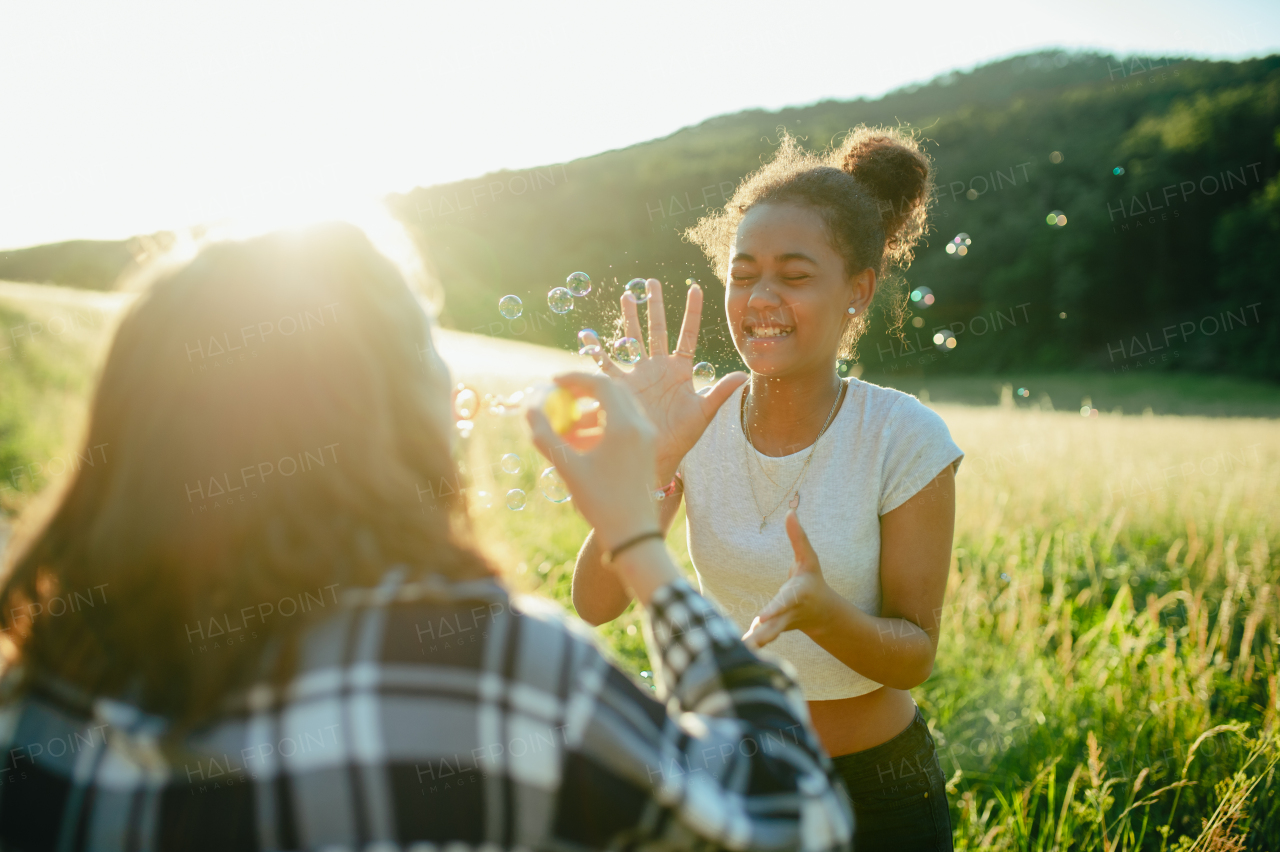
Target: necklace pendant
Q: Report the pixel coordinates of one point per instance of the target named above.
(795, 501)
(762, 522)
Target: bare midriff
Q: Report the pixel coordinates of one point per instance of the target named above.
(846, 725)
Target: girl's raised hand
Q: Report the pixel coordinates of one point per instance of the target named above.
(663, 381)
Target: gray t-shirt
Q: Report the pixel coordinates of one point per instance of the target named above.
(882, 447)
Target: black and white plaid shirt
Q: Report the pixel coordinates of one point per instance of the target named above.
(436, 716)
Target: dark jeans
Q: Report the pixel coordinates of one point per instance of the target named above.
(899, 794)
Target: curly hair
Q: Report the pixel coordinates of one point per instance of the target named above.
(873, 191)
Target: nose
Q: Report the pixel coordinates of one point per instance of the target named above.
(762, 298)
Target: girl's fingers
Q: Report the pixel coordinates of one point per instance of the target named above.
(657, 320)
(608, 367)
(548, 442)
(631, 318)
(692, 320)
(806, 558)
(764, 632)
(715, 395)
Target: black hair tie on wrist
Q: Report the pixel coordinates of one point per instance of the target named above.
(610, 555)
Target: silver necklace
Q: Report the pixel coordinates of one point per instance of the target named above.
(795, 499)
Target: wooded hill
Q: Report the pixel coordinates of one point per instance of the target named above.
(1165, 169)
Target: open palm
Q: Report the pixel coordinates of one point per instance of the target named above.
(663, 380)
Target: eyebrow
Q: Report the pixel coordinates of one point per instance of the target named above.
(795, 255)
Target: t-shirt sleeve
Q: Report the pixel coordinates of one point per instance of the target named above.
(918, 448)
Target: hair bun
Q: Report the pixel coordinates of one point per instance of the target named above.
(890, 164)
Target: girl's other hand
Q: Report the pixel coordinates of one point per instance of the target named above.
(803, 601)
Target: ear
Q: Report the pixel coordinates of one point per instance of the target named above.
(862, 287)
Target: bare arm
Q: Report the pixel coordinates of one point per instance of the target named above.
(598, 593)
(896, 648)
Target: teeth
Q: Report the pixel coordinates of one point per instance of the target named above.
(770, 331)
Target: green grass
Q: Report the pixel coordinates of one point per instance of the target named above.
(44, 384)
(1108, 673)
(1130, 393)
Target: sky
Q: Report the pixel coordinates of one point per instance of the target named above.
(133, 117)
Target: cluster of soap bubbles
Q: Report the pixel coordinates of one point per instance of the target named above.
(922, 297)
(1057, 218)
(959, 245)
(944, 340)
(1024, 393)
(550, 483)
(559, 299)
(1117, 171)
(1088, 410)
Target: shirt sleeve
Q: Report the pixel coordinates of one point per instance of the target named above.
(918, 448)
(730, 760)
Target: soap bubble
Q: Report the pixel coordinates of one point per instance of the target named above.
(922, 296)
(1057, 218)
(588, 342)
(959, 245)
(1004, 576)
(638, 288)
(1055, 157)
(579, 283)
(627, 350)
(944, 340)
(466, 403)
(553, 487)
(1117, 171)
(1023, 392)
(560, 300)
(918, 322)
(515, 499)
(690, 282)
(510, 306)
(511, 463)
(464, 428)
(703, 374)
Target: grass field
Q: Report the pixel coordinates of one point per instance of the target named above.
(1108, 676)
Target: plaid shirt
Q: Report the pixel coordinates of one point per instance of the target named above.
(423, 716)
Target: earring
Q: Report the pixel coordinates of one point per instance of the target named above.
(852, 309)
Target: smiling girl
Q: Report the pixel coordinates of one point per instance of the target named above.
(819, 510)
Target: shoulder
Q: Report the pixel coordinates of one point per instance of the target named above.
(895, 409)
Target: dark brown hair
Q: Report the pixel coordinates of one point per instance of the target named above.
(302, 351)
(873, 191)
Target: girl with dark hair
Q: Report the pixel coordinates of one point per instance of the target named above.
(820, 511)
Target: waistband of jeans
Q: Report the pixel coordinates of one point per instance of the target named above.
(914, 737)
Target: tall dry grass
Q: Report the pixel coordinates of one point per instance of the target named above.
(1107, 677)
